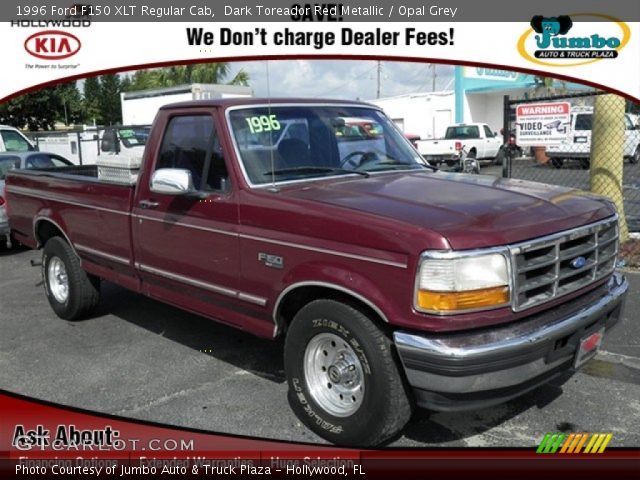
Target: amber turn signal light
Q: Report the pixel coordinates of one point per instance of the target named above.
(460, 301)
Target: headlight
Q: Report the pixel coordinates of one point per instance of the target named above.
(450, 284)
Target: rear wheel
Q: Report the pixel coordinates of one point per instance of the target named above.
(635, 158)
(344, 381)
(556, 162)
(72, 293)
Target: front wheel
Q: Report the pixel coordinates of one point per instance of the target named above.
(71, 292)
(635, 158)
(344, 380)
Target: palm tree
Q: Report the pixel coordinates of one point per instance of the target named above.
(185, 74)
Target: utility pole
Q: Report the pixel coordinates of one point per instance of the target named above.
(433, 85)
(379, 74)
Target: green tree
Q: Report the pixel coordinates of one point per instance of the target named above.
(91, 100)
(72, 108)
(109, 100)
(37, 110)
(185, 74)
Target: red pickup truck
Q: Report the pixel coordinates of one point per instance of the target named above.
(394, 284)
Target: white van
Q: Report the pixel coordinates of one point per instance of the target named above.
(12, 140)
(577, 146)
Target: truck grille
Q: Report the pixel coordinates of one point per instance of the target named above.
(549, 267)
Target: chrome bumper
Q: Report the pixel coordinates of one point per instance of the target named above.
(465, 370)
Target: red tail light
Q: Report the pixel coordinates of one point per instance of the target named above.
(2, 202)
(458, 146)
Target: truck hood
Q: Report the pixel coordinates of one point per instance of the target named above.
(470, 211)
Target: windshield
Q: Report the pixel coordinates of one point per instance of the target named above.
(461, 132)
(283, 143)
(134, 136)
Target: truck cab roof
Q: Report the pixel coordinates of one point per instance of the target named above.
(248, 101)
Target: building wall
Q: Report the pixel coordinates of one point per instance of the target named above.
(424, 114)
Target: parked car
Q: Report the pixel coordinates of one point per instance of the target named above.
(13, 140)
(15, 160)
(478, 139)
(577, 146)
(393, 284)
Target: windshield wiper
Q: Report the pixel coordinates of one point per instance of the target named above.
(399, 166)
(310, 169)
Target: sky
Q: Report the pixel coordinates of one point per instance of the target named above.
(344, 79)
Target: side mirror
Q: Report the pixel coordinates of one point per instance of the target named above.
(106, 145)
(172, 181)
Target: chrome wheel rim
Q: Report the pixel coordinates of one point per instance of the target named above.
(58, 280)
(334, 375)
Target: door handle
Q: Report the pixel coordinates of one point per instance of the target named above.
(148, 204)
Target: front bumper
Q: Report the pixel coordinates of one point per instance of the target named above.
(466, 370)
(448, 158)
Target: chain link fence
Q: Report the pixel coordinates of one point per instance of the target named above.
(600, 147)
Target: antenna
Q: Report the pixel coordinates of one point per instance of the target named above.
(273, 187)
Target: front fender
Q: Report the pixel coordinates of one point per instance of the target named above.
(341, 279)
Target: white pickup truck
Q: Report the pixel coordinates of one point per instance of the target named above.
(478, 140)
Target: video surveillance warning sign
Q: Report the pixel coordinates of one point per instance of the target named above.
(540, 124)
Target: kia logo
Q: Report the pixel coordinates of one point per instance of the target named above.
(52, 45)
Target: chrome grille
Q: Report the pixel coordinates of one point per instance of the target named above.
(549, 267)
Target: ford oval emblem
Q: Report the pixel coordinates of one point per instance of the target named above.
(578, 263)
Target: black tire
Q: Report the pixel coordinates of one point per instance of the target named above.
(385, 407)
(472, 154)
(635, 158)
(499, 158)
(585, 163)
(83, 292)
(556, 162)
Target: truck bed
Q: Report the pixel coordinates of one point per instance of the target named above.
(93, 214)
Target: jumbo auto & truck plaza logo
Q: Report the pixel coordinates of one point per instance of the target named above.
(562, 41)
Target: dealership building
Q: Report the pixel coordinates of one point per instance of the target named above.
(478, 96)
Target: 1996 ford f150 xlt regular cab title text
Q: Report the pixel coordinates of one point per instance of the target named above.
(394, 284)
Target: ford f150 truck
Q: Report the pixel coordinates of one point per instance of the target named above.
(394, 284)
(476, 138)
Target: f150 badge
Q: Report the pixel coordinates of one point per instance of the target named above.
(273, 261)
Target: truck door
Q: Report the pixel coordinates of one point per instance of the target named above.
(490, 148)
(187, 247)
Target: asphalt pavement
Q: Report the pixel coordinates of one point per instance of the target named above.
(138, 358)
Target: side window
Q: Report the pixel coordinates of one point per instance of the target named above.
(14, 142)
(583, 121)
(487, 131)
(187, 142)
(8, 163)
